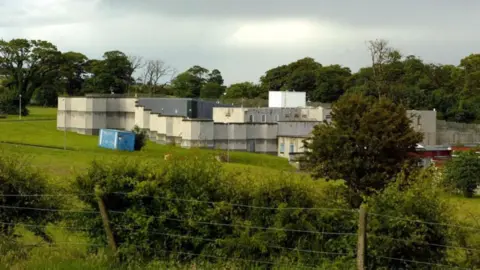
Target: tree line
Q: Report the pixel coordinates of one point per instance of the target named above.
(38, 71)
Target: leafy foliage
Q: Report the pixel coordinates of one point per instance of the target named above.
(366, 144)
(463, 173)
(17, 178)
(161, 202)
(404, 236)
(140, 138)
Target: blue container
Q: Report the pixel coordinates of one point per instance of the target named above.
(117, 140)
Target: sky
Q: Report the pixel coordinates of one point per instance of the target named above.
(244, 38)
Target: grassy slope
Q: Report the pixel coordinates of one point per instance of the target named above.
(84, 149)
(38, 131)
(62, 165)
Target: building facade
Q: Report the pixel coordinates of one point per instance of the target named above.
(186, 122)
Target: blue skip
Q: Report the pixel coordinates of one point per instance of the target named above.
(117, 140)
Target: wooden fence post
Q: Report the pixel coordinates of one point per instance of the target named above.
(106, 220)
(362, 239)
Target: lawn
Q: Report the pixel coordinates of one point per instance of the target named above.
(36, 138)
(43, 143)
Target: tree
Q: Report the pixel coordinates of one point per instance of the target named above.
(190, 82)
(426, 241)
(153, 72)
(27, 65)
(297, 76)
(112, 74)
(330, 83)
(463, 173)
(73, 71)
(243, 90)
(367, 143)
(212, 90)
(215, 77)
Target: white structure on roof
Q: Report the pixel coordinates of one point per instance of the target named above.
(285, 99)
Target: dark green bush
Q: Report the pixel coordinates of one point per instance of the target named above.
(161, 204)
(140, 138)
(462, 173)
(17, 178)
(393, 232)
(10, 102)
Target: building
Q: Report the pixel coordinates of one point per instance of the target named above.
(270, 115)
(87, 115)
(196, 123)
(291, 136)
(287, 99)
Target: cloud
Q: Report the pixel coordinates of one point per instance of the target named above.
(245, 38)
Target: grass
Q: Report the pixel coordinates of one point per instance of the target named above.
(34, 137)
(37, 138)
(35, 113)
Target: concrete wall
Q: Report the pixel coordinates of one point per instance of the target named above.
(250, 137)
(188, 107)
(295, 128)
(297, 143)
(449, 133)
(229, 115)
(268, 115)
(87, 115)
(425, 122)
(197, 133)
(285, 99)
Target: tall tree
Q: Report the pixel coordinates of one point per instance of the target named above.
(190, 82)
(243, 90)
(27, 65)
(112, 74)
(331, 83)
(152, 74)
(297, 76)
(72, 71)
(366, 144)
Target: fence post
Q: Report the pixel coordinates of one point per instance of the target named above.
(106, 220)
(362, 239)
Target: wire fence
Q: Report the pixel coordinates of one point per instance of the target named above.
(351, 253)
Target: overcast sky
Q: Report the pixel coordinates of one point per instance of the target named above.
(244, 38)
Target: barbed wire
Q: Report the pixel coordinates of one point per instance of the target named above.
(186, 200)
(57, 244)
(242, 226)
(268, 246)
(76, 229)
(48, 209)
(182, 220)
(422, 242)
(426, 222)
(236, 204)
(418, 262)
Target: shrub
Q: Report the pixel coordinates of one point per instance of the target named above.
(160, 212)
(462, 173)
(17, 178)
(392, 227)
(9, 102)
(140, 138)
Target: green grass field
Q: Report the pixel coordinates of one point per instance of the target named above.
(36, 138)
(43, 143)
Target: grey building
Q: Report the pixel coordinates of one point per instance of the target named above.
(187, 107)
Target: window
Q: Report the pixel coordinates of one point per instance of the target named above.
(264, 118)
(277, 118)
(292, 148)
(250, 118)
(282, 148)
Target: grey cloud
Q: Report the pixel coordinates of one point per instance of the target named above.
(360, 13)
